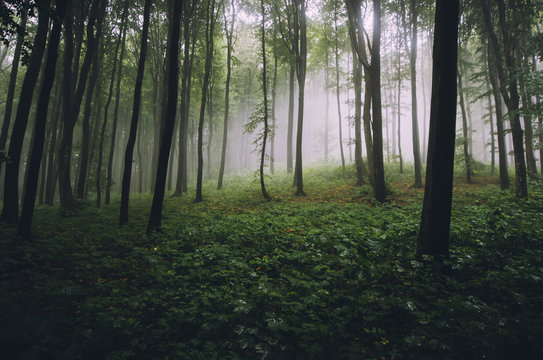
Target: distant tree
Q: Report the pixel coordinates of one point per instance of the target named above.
(167, 127)
(433, 238)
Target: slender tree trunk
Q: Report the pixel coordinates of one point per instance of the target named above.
(71, 109)
(10, 211)
(120, 39)
(433, 238)
(465, 137)
(300, 31)
(273, 104)
(115, 122)
(414, 115)
(528, 128)
(129, 153)
(86, 133)
(398, 105)
(377, 124)
(290, 125)
(338, 92)
(167, 128)
(210, 25)
(38, 140)
(265, 91)
(327, 103)
(12, 82)
(229, 43)
(510, 92)
(502, 150)
(357, 78)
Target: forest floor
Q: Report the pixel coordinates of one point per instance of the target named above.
(328, 276)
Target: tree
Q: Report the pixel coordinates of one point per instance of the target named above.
(507, 77)
(13, 80)
(10, 210)
(433, 238)
(38, 138)
(265, 92)
(129, 153)
(211, 18)
(229, 30)
(336, 53)
(300, 50)
(167, 127)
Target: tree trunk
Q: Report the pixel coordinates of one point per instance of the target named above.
(290, 125)
(229, 48)
(511, 97)
(167, 128)
(377, 124)
(71, 109)
(357, 78)
(85, 139)
(340, 133)
(265, 91)
(38, 138)
(120, 39)
(414, 115)
(12, 82)
(210, 25)
(502, 150)
(433, 238)
(129, 153)
(300, 30)
(465, 137)
(10, 211)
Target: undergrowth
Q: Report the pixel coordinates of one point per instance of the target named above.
(328, 276)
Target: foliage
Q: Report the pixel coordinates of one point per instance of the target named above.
(327, 276)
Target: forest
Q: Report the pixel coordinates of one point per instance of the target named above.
(271, 179)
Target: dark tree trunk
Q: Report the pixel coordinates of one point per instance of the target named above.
(109, 174)
(71, 108)
(377, 124)
(510, 92)
(357, 78)
(128, 156)
(168, 124)
(38, 140)
(86, 130)
(300, 31)
(229, 48)
(433, 238)
(120, 39)
(414, 115)
(502, 150)
(265, 91)
(273, 104)
(528, 128)
(210, 26)
(12, 82)
(398, 105)
(10, 211)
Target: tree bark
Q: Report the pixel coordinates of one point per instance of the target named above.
(340, 130)
(12, 82)
(433, 238)
(167, 127)
(10, 210)
(210, 26)
(129, 153)
(38, 139)
(465, 137)
(121, 39)
(265, 91)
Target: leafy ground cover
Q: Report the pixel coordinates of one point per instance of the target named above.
(327, 276)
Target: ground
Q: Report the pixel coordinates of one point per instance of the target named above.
(328, 276)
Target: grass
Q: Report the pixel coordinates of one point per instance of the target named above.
(328, 276)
